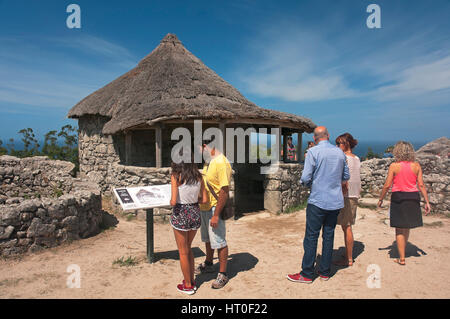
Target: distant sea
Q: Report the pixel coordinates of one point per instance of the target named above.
(379, 147)
(18, 144)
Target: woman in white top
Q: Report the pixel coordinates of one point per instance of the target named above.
(351, 190)
(187, 190)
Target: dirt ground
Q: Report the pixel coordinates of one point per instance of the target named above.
(263, 248)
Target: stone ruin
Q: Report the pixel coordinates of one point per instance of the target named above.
(42, 205)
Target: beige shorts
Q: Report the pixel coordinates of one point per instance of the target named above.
(347, 215)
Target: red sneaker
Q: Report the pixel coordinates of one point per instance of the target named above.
(195, 287)
(324, 278)
(299, 278)
(186, 290)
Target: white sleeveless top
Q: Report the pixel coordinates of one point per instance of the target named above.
(354, 184)
(188, 194)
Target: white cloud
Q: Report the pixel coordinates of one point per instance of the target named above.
(99, 47)
(50, 72)
(313, 88)
(418, 80)
(308, 65)
(294, 66)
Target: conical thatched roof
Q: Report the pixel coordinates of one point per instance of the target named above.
(171, 83)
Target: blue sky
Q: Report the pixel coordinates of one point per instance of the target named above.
(313, 58)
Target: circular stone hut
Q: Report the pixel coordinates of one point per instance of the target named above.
(125, 127)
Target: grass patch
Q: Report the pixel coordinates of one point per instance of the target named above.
(434, 224)
(368, 206)
(57, 192)
(10, 282)
(295, 208)
(122, 262)
(104, 227)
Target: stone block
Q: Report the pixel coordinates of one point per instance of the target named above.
(5, 233)
(39, 229)
(272, 201)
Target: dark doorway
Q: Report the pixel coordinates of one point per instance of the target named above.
(249, 188)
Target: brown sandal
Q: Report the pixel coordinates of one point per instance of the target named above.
(344, 262)
(400, 261)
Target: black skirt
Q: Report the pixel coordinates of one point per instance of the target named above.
(405, 210)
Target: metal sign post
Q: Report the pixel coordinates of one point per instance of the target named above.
(150, 241)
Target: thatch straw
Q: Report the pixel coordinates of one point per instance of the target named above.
(171, 83)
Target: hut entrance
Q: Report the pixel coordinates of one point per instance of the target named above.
(249, 187)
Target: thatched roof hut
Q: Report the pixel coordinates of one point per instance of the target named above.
(125, 127)
(172, 84)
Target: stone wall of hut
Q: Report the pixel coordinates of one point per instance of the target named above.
(97, 152)
(283, 189)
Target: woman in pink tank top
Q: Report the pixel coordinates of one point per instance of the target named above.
(406, 178)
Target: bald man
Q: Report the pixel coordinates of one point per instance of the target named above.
(325, 171)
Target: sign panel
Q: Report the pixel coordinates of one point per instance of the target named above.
(142, 197)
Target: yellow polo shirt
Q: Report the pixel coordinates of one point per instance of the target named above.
(218, 175)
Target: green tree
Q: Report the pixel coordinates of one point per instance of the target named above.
(3, 150)
(65, 150)
(51, 148)
(371, 154)
(12, 151)
(30, 143)
(69, 151)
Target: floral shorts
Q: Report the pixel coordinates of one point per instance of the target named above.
(186, 217)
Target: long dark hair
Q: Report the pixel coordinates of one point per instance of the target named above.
(186, 172)
(347, 138)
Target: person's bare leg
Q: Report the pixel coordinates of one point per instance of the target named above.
(401, 244)
(209, 252)
(223, 259)
(191, 235)
(348, 241)
(182, 239)
(349, 244)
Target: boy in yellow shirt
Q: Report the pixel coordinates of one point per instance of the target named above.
(218, 175)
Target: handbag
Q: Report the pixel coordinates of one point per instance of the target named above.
(228, 210)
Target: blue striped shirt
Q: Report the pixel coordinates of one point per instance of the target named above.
(325, 170)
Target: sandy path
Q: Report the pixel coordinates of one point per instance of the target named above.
(263, 249)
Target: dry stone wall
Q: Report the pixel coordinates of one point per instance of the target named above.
(42, 205)
(283, 189)
(33, 177)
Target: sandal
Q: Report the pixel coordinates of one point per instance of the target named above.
(344, 262)
(400, 261)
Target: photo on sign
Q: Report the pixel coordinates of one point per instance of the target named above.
(148, 197)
